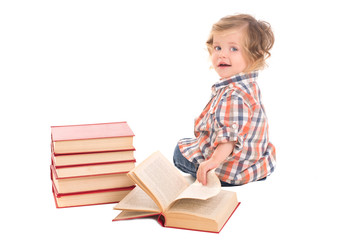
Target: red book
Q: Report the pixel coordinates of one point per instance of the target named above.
(63, 172)
(79, 159)
(86, 138)
(163, 192)
(89, 198)
(76, 184)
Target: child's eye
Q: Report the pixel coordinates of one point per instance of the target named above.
(233, 49)
(217, 48)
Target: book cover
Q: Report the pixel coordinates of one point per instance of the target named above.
(91, 138)
(91, 131)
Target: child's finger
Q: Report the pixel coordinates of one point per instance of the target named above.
(204, 178)
(202, 175)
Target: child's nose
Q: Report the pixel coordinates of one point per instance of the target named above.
(222, 53)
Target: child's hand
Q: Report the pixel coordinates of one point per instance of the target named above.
(221, 152)
(204, 167)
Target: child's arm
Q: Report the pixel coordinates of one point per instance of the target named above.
(221, 152)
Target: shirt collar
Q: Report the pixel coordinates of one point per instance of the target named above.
(250, 77)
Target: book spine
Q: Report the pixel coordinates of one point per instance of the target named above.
(161, 220)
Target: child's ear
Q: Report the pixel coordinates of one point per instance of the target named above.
(211, 66)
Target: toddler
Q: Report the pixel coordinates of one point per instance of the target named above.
(231, 133)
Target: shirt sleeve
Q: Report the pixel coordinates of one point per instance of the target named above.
(232, 120)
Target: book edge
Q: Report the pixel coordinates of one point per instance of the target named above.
(83, 205)
(53, 170)
(93, 164)
(87, 124)
(78, 153)
(59, 195)
(162, 222)
(145, 216)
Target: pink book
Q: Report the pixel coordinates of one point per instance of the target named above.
(85, 138)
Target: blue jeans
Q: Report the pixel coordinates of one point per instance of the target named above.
(183, 164)
(188, 167)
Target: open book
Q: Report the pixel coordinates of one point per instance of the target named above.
(162, 191)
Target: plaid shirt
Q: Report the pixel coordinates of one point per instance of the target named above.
(234, 113)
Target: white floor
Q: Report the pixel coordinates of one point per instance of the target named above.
(145, 62)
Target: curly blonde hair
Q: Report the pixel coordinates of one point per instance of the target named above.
(256, 42)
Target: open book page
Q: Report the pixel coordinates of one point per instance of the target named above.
(218, 207)
(161, 179)
(199, 191)
(124, 215)
(137, 200)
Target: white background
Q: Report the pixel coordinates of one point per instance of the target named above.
(145, 62)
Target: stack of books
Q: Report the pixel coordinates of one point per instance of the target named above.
(90, 162)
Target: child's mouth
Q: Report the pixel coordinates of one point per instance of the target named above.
(224, 65)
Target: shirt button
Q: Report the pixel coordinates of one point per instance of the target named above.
(234, 126)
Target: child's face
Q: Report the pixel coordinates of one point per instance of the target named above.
(227, 56)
